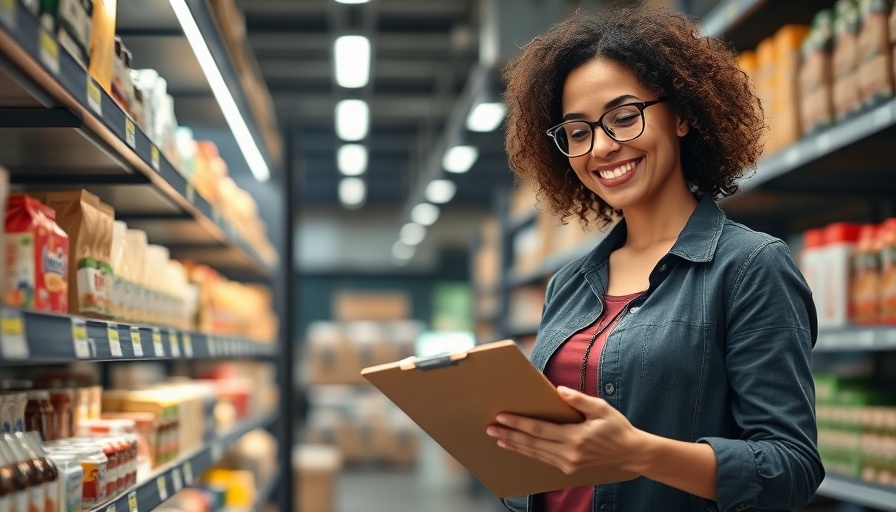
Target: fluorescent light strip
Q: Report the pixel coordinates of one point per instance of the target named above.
(352, 159)
(440, 191)
(486, 117)
(412, 233)
(425, 214)
(352, 192)
(352, 119)
(459, 159)
(231, 112)
(352, 56)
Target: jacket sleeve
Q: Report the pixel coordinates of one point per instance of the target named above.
(771, 329)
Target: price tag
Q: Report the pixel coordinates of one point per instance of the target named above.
(163, 487)
(94, 96)
(48, 49)
(8, 12)
(132, 501)
(157, 343)
(792, 156)
(212, 346)
(191, 193)
(154, 156)
(114, 340)
(866, 338)
(188, 473)
(13, 343)
(130, 133)
(188, 344)
(135, 341)
(177, 480)
(79, 338)
(883, 117)
(111, 508)
(823, 143)
(173, 344)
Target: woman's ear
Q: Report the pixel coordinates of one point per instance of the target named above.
(683, 127)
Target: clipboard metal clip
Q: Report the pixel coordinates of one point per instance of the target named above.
(432, 362)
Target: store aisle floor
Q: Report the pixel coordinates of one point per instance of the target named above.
(432, 485)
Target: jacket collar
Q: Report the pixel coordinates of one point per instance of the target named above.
(697, 241)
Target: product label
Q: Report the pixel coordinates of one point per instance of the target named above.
(52, 496)
(130, 133)
(94, 97)
(48, 51)
(20, 269)
(90, 287)
(79, 338)
(94, 483)
(74, 28)
(38, 498)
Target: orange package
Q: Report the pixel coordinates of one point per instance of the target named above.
(36, 257)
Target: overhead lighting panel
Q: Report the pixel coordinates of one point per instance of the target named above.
(352, 192)
(460, 159)
(486, 117)
(412, 233)
(352, 56)
(352, 119)
(229, 109)
(352, 159)
(425, 214)
(440, 191)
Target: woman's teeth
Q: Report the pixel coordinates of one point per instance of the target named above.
(617, 172)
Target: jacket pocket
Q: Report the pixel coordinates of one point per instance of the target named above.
(672, 353)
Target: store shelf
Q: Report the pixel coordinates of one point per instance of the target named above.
(858, 492)
(550, 265)
(29, 338)
(727, 14)
(266, 490)
(174, 476)
(60, 129)
(744, 23)
(856, 338)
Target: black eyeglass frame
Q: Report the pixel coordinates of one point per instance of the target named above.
(640, 105)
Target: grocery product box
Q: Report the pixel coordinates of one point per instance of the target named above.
(349, 305)
(314, 472)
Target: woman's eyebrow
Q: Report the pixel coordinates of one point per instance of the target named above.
(615, 102)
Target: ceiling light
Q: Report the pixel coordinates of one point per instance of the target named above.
(352, 1)
(412, 233)
(425, 214)
(352, 159)
(352, 119)
(440, 191)
(486, 117)
(352, 55)
(460, 158)
(402, 251)
(352, 192)
(229, 109)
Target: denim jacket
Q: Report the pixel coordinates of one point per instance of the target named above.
(717, 351)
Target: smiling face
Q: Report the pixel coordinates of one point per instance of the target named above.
(639, 173)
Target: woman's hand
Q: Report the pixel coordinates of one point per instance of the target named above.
(605, 439)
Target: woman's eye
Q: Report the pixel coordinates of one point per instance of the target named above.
(626, 118)
(578, 134)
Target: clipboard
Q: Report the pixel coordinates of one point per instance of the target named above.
(454, 397)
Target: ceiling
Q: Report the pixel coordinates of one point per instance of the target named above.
(422, 53)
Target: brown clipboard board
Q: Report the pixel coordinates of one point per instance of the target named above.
(454, 397)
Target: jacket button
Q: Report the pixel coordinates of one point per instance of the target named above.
(610, 388)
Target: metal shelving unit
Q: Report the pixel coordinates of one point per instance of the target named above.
(858, 492)
(60, 129)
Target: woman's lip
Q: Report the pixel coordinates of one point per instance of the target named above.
(616, 165)
(615, 182)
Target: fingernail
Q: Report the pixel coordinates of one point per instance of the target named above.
(502, 419)
(492, 431)
(502, 444)
(563, 390)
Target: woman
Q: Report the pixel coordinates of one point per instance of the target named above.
(684, 339)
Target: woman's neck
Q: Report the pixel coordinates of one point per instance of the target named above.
(659, 222)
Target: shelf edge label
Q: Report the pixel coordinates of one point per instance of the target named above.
(188, 473)
(130, 133)
(154, 156)
(94, 96)
(114, 339)
(132, 501)
(8, 13)
(157, 342)
(111, 508)
(177, 480)
(173, 344)
(13, 341)
(135, 341)
(79, 338)
(48, 50)
(188, 344)
(163, 487)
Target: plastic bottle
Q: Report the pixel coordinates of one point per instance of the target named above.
(39, 414)
(31, 445)
(887, 237)
(812, 264)
(866, 277)
(37, 491)
(840, 242)
(13, 480)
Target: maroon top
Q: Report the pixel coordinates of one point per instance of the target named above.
(565, 369)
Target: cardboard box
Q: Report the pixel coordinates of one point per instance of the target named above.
(369, 305)
(314, 469)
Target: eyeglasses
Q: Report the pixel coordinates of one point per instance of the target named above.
(623, 123)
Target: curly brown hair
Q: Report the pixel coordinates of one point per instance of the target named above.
(667, 54)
